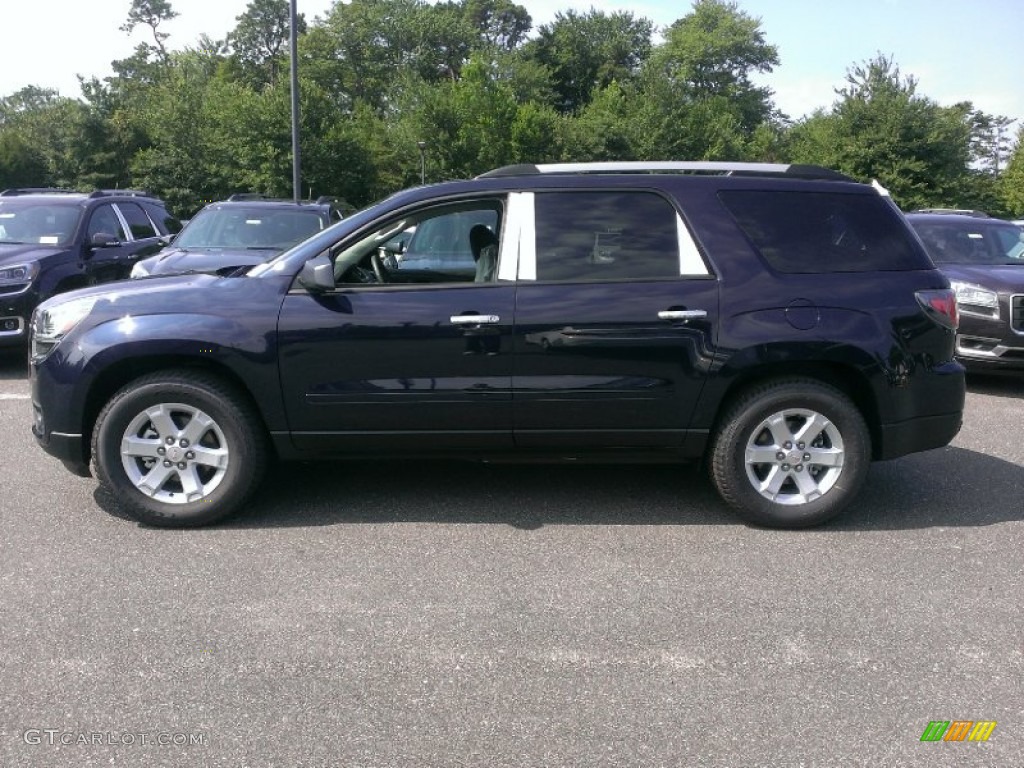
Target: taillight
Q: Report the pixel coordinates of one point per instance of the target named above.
(940, 306)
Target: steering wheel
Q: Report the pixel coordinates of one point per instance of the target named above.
(378, 268)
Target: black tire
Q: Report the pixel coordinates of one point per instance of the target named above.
(780, 491)
(224, 467)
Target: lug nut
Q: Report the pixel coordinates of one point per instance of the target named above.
(182, 465)
(787, 445)
(161, 451)
(167, 463)
(190, 455)
(785, 467)
(800, 446)
(780, 455)
(807, 457)
(183, 443)
(799, 467)
(169, 441)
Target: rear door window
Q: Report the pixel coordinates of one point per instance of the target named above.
(138, 222)
(607, 235)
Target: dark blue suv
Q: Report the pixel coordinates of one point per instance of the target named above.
(781, 322)
(52, 241)
(240, 232)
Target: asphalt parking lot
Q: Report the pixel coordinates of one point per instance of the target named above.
(405, 614)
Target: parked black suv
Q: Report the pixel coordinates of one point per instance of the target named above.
(53, 240)
(984, 259)
(780, 321)
(240, 232)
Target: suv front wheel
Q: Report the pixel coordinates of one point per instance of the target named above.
(179, 449)
(790, 453)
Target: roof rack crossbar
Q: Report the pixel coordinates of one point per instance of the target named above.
(15, 191)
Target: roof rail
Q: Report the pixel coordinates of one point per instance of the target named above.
(125, 192)
(960, 211)
(671, 166)
(237, 196)
(15, 191)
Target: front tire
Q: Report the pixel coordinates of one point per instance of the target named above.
(791, 453)
(179, 448)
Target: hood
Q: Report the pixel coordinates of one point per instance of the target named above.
(18, 254)
(172, 261)
(1008, 278)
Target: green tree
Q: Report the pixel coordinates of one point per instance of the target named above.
(21, 163)
(151, 13)
(585, 52)
(711, 54)
(501, 24)
(260, 39)
(1011, 182)
(881, 128)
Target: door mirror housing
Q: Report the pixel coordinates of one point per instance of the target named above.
(103, 240)
(317, 275)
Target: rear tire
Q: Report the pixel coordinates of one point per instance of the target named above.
(179, 448)
(790, 453)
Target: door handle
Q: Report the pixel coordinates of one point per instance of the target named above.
(474, 319)
(682, 315)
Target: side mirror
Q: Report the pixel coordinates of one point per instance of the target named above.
(103, 240)
(317, 275)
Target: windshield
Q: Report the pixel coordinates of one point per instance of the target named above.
(971, 242)
(45, 223)
(252, 228)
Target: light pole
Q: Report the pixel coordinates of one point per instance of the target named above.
(296, 165)
(423, 161)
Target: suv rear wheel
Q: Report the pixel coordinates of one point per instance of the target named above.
(790, 453)
(179, 449)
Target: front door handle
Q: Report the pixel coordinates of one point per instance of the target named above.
(682, 315)
(475, 319)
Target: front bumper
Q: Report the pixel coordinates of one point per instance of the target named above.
(993, 343)
(15, 311)
(50, 427)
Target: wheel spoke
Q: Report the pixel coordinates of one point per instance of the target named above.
(160, 416)
(772, 484)
(191, 485)
(153, 481)
(762, 454)
(780, 430)
(813, 427)
(197, 426)
(140, 447)
(211, 457)
(825, 457)
(807, 486)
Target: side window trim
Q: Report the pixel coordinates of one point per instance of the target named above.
(129, 236)
(690, 262)
(518, 259)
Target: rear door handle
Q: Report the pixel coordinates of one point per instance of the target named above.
(475, 319)
(682, 315)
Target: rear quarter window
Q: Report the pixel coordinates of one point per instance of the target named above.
(819, 232)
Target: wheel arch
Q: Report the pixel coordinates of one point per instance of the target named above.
(848, 379)
(123, 372)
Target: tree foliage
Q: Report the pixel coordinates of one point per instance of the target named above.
(474, 82)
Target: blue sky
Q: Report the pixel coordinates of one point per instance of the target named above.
(958, 51)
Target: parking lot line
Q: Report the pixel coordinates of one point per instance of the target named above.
(11, 396)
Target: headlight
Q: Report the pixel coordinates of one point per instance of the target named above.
(139, 270)
(974, 298)
(51, 324)
(18, 274)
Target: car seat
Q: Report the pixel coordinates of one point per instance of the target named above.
(484, 245)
